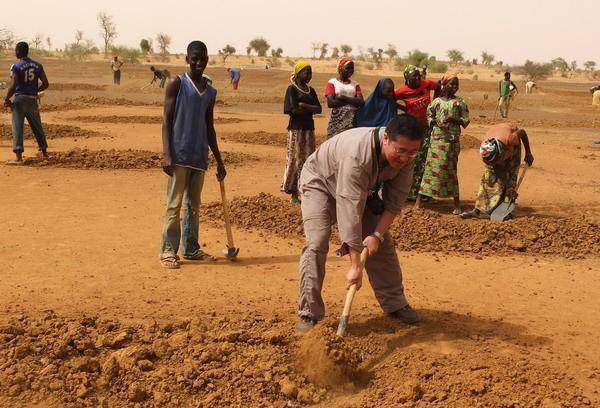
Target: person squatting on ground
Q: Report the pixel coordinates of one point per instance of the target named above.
(416, 96)
(380, 107)
(501, 153)
(235, 74)
(26, 75)
(335, 184)
(116, 65)
(188, 132)
(160, 74)
(507, 90)
(595, 91)
(344, 97)
(446, 115)
(301, 103)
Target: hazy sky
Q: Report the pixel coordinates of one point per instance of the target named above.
(519, 29)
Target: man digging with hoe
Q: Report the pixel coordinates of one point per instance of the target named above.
(341, 180)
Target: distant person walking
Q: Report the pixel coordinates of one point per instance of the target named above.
(344, 97)
(595, 91)
(416, 97)
(507, 90)
(301, 103)
(116, 65)
(529, 87)
(235, 74)
(446, 115)
(380, 107)
(162, 75)
(187, 135)
(26, 75)
(501, 153)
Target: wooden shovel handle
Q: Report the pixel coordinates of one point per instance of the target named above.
(341, 331)
(521, 177)
(226, 214)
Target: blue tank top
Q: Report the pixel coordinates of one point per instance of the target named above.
(28, 73)
(190, 131)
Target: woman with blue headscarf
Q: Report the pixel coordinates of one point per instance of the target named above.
(380, 107)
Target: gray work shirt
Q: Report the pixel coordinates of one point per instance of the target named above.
(347, 166)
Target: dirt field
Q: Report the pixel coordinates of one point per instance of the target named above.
(89, 318)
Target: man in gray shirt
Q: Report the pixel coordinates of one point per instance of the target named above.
(337, 183)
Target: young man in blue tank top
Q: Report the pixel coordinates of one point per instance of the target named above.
(188, 132)
(26, 75)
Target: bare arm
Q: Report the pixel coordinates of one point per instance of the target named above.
(45, 83)
(305, 107)
(525, 140)
(167, 129)
(10, 92)
(212, 142)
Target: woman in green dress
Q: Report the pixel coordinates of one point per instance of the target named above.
(446, 115)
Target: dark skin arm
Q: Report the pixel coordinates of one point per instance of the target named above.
(10, 92)
(306, 108)
(334, 101)
(515, 86)
(167, 129)
(525, 140)
(45, 83)
(212, 142)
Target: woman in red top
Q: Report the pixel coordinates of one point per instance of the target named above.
(416, 95)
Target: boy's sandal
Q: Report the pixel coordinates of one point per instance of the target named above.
(170, 262)
(201, 256)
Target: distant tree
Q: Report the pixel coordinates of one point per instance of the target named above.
(417, 57)
(164, 43)
(346, 49)
(487, 58)
(276, 53)
(80, 51)
(260, 45)
(391, 51)
(535, 71)
(226, 51)
(455, 56)
(323, 50)
(573, 65)
(108, 30)
(361, 54)
(127, 54)
(590, 65)
(78, 36)
(474, 61)
(335, 52)
(49, 43)
(248, 50)
(376, 55)
(146, 46)
(316, 47)
(560, 64)
(36, 41)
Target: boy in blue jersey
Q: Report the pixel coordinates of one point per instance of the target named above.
(188, 132)
(26, 75)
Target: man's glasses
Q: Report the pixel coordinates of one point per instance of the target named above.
(405, 153)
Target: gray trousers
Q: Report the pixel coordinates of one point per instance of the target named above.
(383, 268)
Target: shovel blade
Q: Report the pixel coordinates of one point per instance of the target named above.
(502, 211)
(231, 252)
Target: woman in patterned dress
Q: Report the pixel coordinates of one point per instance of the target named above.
(446, 115)
(301, 103)
(344, 97)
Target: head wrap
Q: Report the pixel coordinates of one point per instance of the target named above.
(449, 77)
(409, 70)
(491, 150)
(342, 63)
(377, 110)
(300, 65)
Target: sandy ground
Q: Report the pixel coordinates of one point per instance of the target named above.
(89, 318)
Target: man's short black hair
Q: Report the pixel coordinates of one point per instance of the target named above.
(405, 126)
(197, 46)
(507, 73)
(22, 48)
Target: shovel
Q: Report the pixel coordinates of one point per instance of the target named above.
(505, 208)
(230, 250)
(341, 331)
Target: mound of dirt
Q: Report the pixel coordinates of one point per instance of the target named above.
(469, 142)
(216, 360)
(429, 231)
(52, 131)
(66, 86)
(62, 107)
(118, 119)
(120, 159)
(101, 100)
(261, 138)
(525, 123)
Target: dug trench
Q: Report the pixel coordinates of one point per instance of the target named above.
(143, 119)
(121, 159)
(52, 131)
(572, 238)
(253, 360)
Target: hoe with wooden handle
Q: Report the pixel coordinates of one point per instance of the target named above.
(230, 250)
(341, 331)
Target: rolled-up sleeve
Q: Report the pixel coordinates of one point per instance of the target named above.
(396, 190)
(351, 195)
